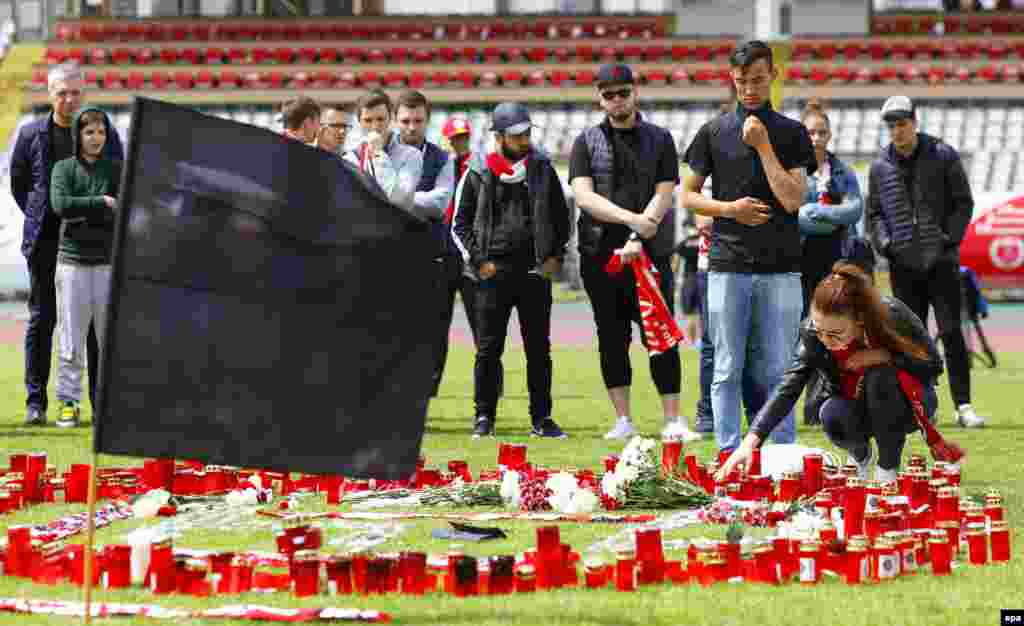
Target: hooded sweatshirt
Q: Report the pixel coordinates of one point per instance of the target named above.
(77, 188)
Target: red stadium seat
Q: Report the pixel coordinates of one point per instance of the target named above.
(64, 32)
(803, 51)
(492, 54)
(680, 76)
(228, 78)
(440, 78)
(144, 56)
(448, 55)
(200, 32)
(119, 56)
(395, 79)
(536, 78)
(795, 74)
(1001, 25)
(656, 77)
(926, 24)
(852, 50)
(558, 77)
(91, 79)
(261, 55)
(292, 32)
(951, 24)
(354, 55)
(632, 53)
(512, 78)
(328, 55)
(417, 79)
(204, 79)
(55, 56)
(562, 54)
(226, 32)
(967, 49)
(584, 78)
(283, 55)
(1018, 48)
(299, 80)
(986, 74)
(423, 55)
(192, 55)
(888, 74)
(584, 54)
(975, 25)
(702, 52)
(322, 79)
(156, 32)
(168, 56)
(513, 55)
(680, 52)
(468, 54)
(819, 74)
(608, 54)
(901, 51)
(488, 79)
(654, 53)
(537, 54)
(936, 75)
(878, 50)
(136, 81)
(466, 77)
(112, 80)
(307, 55)
(398, 55)
(996, 50)
(98, 56)
(369, 78)
(159, 79)
(215, 55)
(1010, 73)
(339, 30)
(862, 76)
(178, 32)
(183, 80)
(910, 74)
(842, 74)
(77, 55)
(924, 50)
(703, 76)
(376, 55)
(346, 80)
(962, 74)
(827, 50)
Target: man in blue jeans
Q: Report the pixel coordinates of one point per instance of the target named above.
(758, 161)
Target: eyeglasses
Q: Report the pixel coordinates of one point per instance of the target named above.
(837, 336)
(337, 126)
(618, 93)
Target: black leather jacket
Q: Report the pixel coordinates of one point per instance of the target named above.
(812, 355)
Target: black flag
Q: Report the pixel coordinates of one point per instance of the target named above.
(267, 306)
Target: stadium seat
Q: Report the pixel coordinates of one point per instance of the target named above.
(558, 77)
(283, 55)
(936, 75)
(819, 74)
(200, 32)
(376, 55)
(395, 79)
(98, 56)
(584, 78)
(55, 56)
(423, 55)
(261, 55)
(440, 78)
(584, 54)
(307, 55)
(536, 78)
(39, 79)
(178, 32)
(135, 81)
(228, 78)
(354, 55)
(215, 55)
(842, 74)
(118, 56)
(398, 55)
(346, 80)
(562, 54)
(183, 80)
(192, 55)
(852, 50)
(680, 52)
(656, 77)
(90, 78)
(987, 74)
(417, 79)
(996, 50)
(204, 79)
(238, 55)
(514, 55)
(369, 78)
(488, 79)
(802, 51)
(512, 78)
(680, 76)
(537, 54)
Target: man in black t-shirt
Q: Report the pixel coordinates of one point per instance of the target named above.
(623, 173)
(758, 161)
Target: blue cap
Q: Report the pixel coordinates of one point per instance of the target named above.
(511, 118)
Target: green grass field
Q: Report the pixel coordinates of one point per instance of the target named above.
(972, 596)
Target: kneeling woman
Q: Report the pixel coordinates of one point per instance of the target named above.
(879, 367)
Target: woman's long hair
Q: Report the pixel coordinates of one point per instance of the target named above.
(848, 291)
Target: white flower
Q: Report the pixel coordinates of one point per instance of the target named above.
(242, 497)
(561, 482)
(560, 501)
(510, 489)
(627, 473)
(612, 485)
(583, 501)
(149, 504)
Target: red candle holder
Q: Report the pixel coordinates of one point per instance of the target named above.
(1000, 537)
(755, 462)
(76, 562)
(940, 553)
(461, 469)
(671, 449)
(239, 575)
(339, 574)
(502, 574)
(162, 574)
(886, 560)
(789, 487)
(516, 455)
(856, 561)
(526, 578)
(412, 569)
(335, 487)
(19, 546)
(994, 509)
(305, 573)
(594, 572)
(813, 475)
(19, 462)
(117, 567)
(675, 572)
(625, 570)
(854, 503)
(766, 564)
(731, 553)
(810, 563)
(953, 475)
(977, 544)
(648, 544)
(466, 576)
(952, 530)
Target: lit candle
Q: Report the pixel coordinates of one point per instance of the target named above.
(305, 573)
(940, 553)
(1000, 541)
(977, 544)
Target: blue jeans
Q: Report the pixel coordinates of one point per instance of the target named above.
(753, 399)
(755, 322)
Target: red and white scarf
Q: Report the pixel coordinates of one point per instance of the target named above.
(661, 333)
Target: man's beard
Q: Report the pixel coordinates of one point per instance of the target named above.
(623, 116)
(514, 155)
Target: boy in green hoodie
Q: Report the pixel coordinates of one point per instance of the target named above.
(83, 192)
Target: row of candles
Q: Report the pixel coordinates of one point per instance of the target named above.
(551, 564)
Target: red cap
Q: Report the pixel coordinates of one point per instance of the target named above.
(456, 126)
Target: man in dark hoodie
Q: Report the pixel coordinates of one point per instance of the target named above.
(83, 189)
(512, 224)
(919, 207)
(39, 146)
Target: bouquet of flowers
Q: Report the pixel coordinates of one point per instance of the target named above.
(638, 482)
(559, 492)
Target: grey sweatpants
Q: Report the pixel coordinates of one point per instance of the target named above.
(82, 294)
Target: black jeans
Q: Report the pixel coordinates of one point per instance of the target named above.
(453, 280)
(614, 302)
(940, 288)
(882, 412)
(42, 320)
(530, 295)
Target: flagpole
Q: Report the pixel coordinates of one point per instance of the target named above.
(90, 534)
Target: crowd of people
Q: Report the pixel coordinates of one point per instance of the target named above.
(781, 280)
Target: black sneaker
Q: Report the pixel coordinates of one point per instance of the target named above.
(484, 427)
(547, 428)
(35, 417)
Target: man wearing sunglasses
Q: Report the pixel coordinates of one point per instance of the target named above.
(334, 128)
(919, 207)
(623, 174)
(511, 224)
(758, 161)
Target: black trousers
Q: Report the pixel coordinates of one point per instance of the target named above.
(940, 288)
(882, 412)
(530, 295)
(42, 320)
(820, 252)
(614, 302)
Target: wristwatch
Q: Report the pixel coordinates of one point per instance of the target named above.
(634, 237)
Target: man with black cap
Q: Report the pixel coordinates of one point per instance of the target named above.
(623, 174)
(512, 224)
(919, 207)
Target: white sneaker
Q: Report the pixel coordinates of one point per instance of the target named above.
(677, 429)
(623, 429)
(966, 417)
(863, 467)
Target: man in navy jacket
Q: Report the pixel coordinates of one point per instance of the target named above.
(39, 146)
